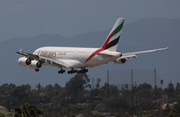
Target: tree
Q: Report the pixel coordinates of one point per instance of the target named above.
(39, 86)
(160, 92)
(177, 88)
(126, 86)
(76, 86)
(173, 113)
(144, 91)
(27, 110)
(161, 82)
(22, 93)
(122, 102)
(170, 90)
(2, 115)
(48, 90)
(100, 106)
(177, 105)
(98, 80)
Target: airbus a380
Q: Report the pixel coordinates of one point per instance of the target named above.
(79, 59)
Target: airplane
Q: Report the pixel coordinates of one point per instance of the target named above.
(80, 58)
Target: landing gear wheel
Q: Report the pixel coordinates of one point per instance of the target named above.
(72, 71)
(61, 71)
(83, 71)
(69, 72)
(36, 70)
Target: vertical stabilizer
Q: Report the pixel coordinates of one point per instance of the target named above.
(112, 39)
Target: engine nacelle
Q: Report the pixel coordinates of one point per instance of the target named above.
(24, 61)
(35, 64)
(120, 61)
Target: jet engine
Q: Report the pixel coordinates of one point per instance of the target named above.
(35, 64)
(24, 61)
(120, 61)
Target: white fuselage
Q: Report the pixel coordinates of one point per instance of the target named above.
(74, 56)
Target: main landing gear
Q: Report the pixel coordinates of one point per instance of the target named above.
(72, 71)
(82, 71)
(61, 71)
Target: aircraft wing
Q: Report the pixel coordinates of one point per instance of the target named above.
(133, 54)
(28, 55)
(43, 59)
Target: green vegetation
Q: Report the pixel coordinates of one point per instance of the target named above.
(27, 110)
(4, 111)
(78, 97)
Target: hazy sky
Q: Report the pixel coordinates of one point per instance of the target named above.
(26, 18)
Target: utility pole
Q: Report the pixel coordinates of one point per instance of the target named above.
(108, 89)
(132, 88)
(155, 91)
(93, 83)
